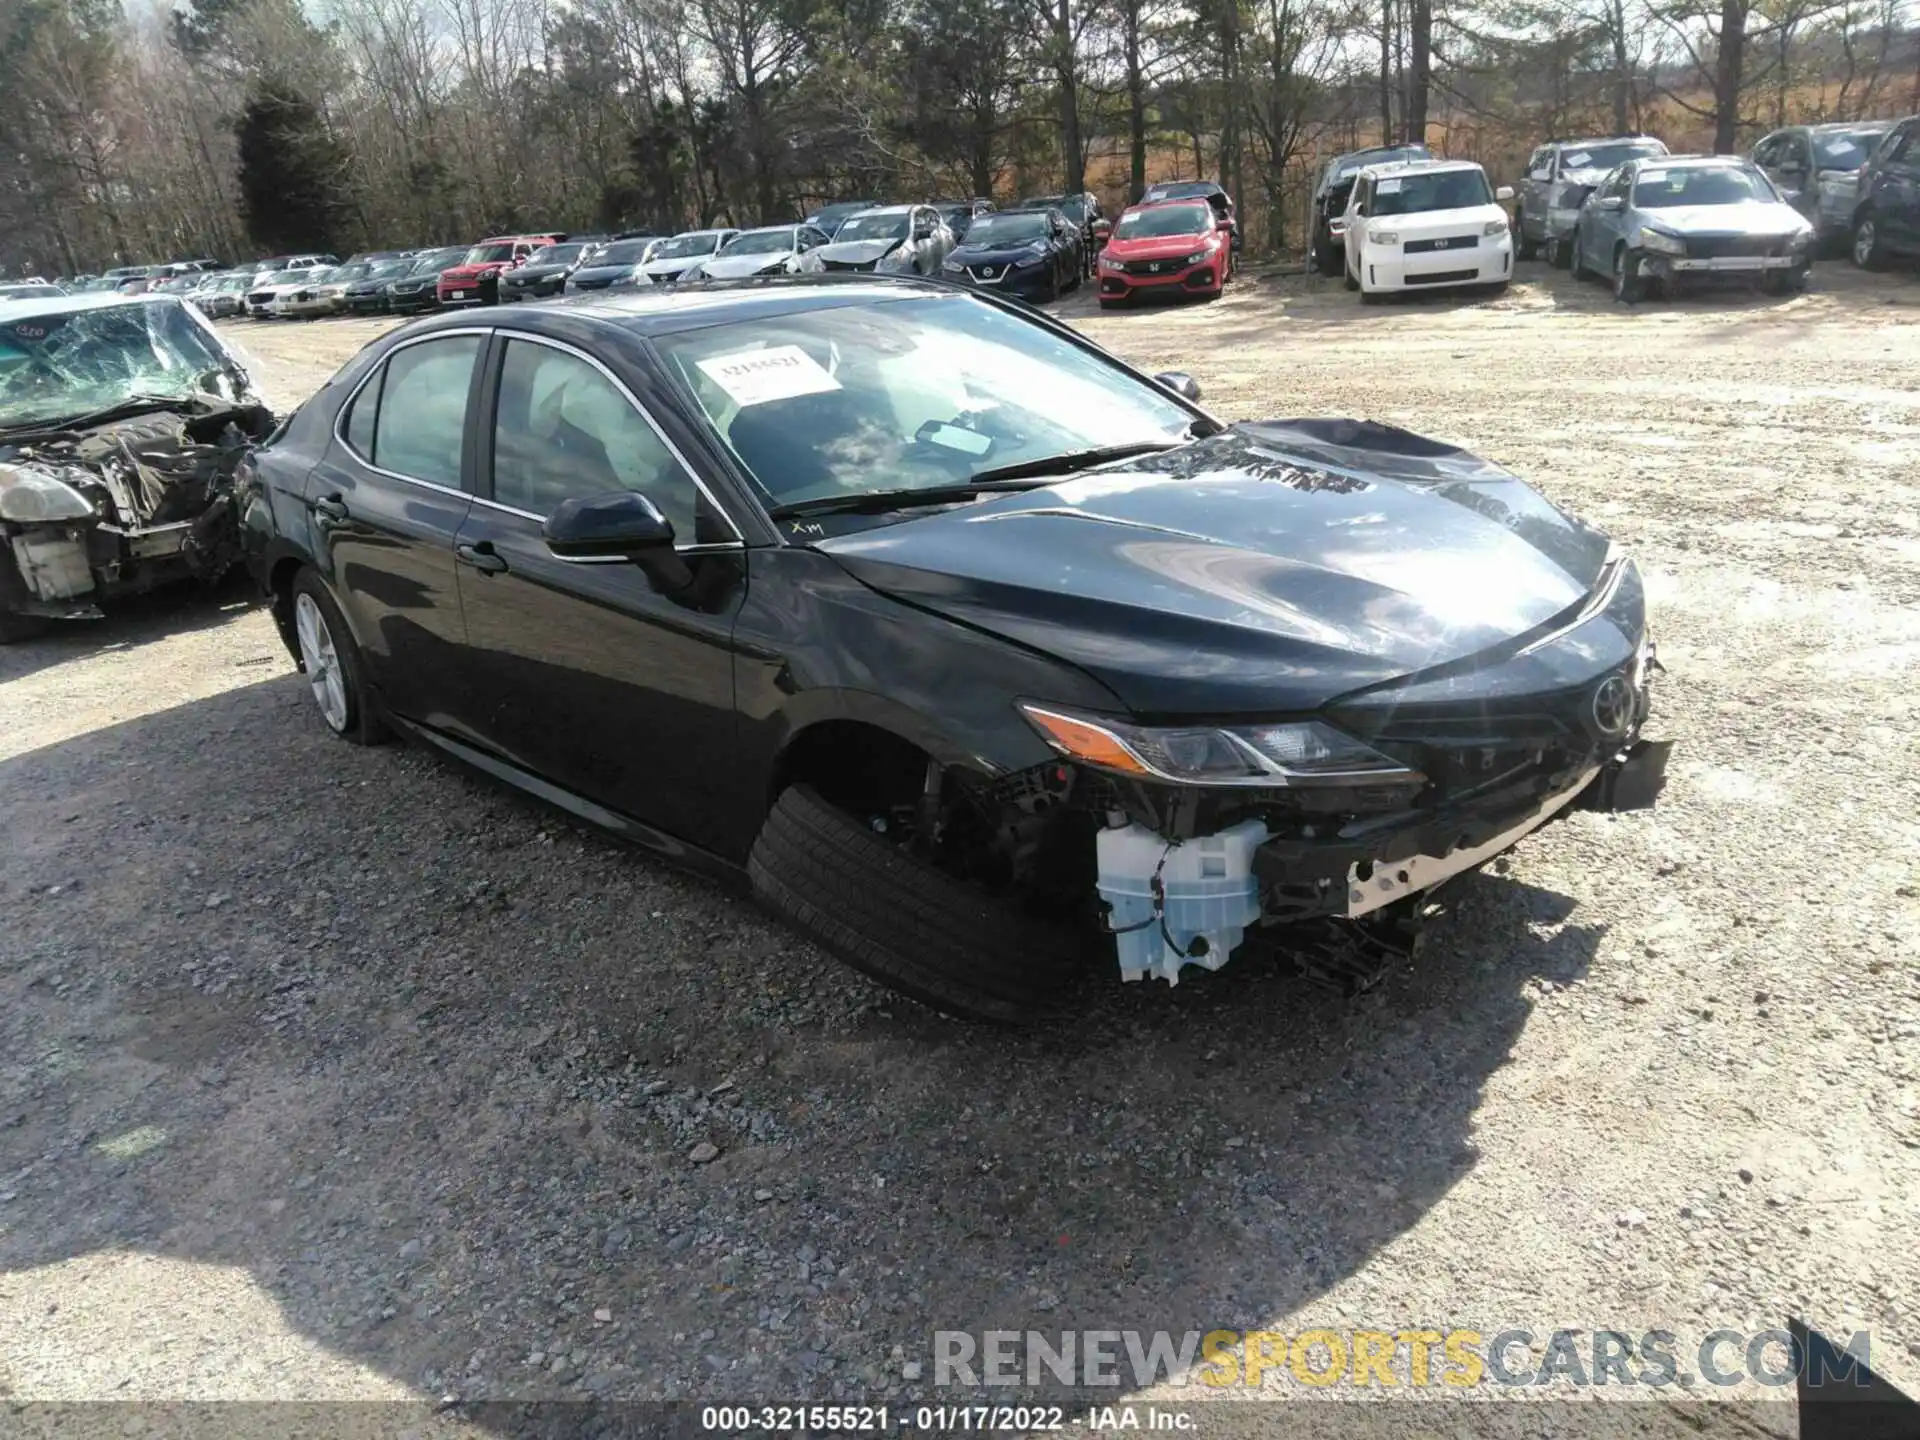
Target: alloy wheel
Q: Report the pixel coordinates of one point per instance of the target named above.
(322, 662)
(1863, 244)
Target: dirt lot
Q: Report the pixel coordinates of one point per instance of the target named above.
(330, 1073)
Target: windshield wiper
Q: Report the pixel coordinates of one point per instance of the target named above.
(876, 502)
(1069, 461)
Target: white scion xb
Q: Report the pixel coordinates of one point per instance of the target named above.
(1426, 225)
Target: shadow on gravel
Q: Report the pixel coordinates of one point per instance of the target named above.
(430, 1065)
(130, 624)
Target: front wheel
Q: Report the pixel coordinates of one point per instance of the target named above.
(1328, 260)
(1560, 253)
(1629, 285)
(331, 663)
(1351, 282)
(1523, 248)
(1786, 282)
(897, 917)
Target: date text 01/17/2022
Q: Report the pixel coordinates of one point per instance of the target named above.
(938, 1419)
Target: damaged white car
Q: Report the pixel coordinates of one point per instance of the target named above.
(121, 421)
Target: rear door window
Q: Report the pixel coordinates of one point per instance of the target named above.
(420, 429)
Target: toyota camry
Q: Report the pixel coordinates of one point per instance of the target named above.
(972, 650)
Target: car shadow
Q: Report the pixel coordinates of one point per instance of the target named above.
(129, 624)
(429, 1065)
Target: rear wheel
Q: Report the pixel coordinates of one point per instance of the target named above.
(331, 663)
(1869, 251)
(1523, 248)
(896, 917)
(1351, 282)
(1577, 259)
(1786, 282)
(1560, 253)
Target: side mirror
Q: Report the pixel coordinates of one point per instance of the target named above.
(1505, 192)
(923, 232)
(1180, 383)
(625, 524)
(1545, 172)
(1610, 202)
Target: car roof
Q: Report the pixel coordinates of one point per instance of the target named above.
(1688, 162)
(1171, 202)
(1420, 167)
(1601, 140)
(885, 210)
(1834, 126)
(664, 311)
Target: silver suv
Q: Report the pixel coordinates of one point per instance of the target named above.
(1560, 175)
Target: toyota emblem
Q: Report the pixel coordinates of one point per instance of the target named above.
(1613, 706)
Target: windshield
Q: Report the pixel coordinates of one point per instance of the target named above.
(891, 225)
(1181, 190)
(556, 255)
(1159, 220)
(1431, 190)
(387, 269)
(489, 254)
(1012, 229)
(759, 242)
(437, 261)
(697, 242)
(1844, 149)
(343, 274)
(1655, 189)
(908, 394)
(621, 252)
(1606, 157)
(233, 282)
(70, 363)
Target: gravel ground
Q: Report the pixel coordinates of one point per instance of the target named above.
(336, 1073)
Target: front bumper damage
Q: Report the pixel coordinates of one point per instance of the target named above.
(1187, 873)
(160, 487)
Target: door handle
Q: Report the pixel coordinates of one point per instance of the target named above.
(331, 509)
(481, 556)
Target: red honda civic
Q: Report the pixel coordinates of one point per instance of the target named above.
(1173, 247)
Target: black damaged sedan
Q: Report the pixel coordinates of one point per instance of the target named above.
(958, 640)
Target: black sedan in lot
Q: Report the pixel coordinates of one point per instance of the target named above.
(418, 286)
(544, 273)
(1034, 254)
(957, 638)
(368, 294)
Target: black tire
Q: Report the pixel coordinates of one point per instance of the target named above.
(1328, 260)
(1560, 253)
(1351, 282)
(361, 724)
(1629, 285)
(896, 918)
(1523, 248)
(15, 628)
(1869, 251)
(1575, 262)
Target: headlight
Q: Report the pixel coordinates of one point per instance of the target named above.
(1296, 753)
(1383, 237)
(1800, 239)
(895, 259)
(1337, 225)
(693, 273)
(951, 267)
(1494, 227)
(29, 499)
(1661, 243)
(638, 275)
(1107, 262)
(1031, 257)
(1198, 257)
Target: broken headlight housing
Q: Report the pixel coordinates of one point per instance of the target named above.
(1289, 753)
(28, 498)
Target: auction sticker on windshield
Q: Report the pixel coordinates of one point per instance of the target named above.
(780, 372)
(1388, 187)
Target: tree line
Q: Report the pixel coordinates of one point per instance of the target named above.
(234, 128)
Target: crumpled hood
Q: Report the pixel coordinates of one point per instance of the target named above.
(535, 274)
(463, 273)
(1750, 217)
(856, 252)
(739, 267)
(1268, 569)
(1585, 179)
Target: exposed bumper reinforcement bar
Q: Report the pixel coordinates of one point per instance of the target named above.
(1383, 883)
